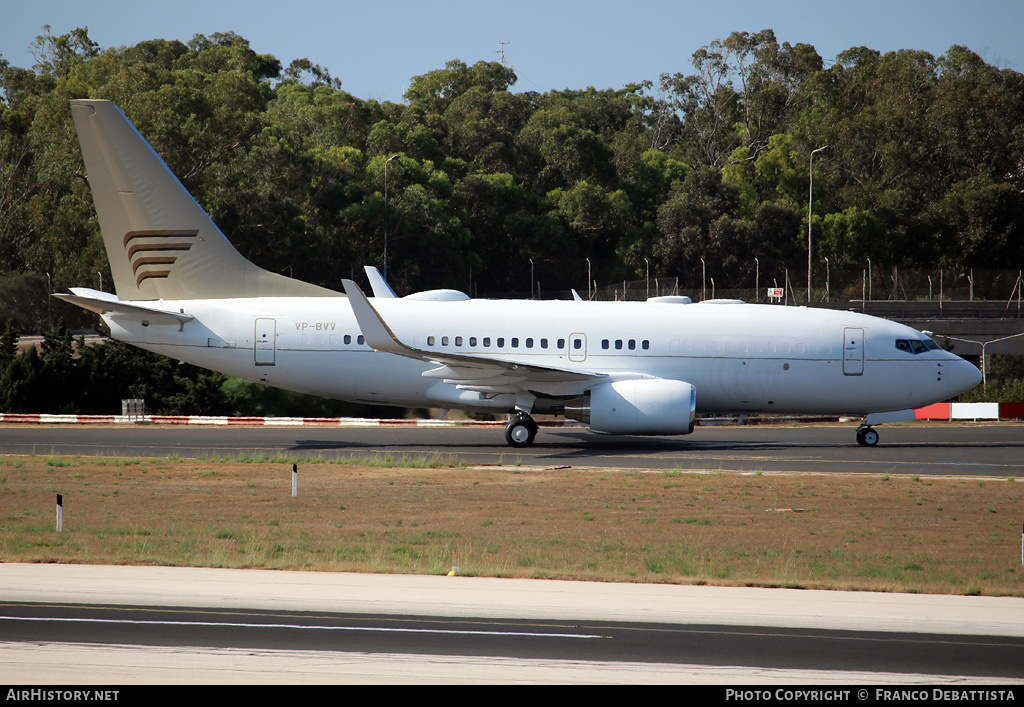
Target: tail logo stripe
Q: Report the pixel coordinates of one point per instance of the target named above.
(155, 247)
(158, 249)
(131, 235)
(151, 273)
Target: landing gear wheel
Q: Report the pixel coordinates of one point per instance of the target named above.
(520, 431)
(867, 436)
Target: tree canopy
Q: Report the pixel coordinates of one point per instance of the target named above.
(925, 166)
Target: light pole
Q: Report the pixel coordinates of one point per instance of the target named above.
(810, 198)
(589, 296)
(531, 278)
(704, 280)
(757, 276)
(648, 277)
(386, 215)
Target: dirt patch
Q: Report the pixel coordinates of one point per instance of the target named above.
(886, 533)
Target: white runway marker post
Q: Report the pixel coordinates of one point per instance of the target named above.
(60, 513)
(295, 480)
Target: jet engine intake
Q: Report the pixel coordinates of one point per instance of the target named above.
(642, 406)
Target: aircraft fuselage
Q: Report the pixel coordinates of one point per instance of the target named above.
(738, 357)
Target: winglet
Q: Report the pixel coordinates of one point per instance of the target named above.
(375, 332)
(378, 284)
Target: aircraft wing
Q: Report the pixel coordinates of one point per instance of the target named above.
(468, 372)
(106, 303)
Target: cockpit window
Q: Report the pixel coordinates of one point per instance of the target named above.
(915, 346)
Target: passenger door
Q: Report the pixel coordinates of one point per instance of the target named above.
(853, 351)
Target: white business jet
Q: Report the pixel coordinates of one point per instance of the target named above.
(630, 368)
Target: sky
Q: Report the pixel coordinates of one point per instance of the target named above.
(376, 46)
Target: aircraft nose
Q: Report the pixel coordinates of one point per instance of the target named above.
(961, 375)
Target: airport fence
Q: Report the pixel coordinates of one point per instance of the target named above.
(840, 287)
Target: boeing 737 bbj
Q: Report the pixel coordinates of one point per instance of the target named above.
(631, 368)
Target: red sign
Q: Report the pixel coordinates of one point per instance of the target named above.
(776, 292)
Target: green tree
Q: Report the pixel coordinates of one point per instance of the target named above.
(8, 345)
(434, 91)
(852, 236)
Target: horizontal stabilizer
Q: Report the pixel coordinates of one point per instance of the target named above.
(106, 303)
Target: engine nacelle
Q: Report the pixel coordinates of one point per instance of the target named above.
(643, 406)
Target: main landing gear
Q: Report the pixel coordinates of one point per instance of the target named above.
(867, 436)
(520, 430)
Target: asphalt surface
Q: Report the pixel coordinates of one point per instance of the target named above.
(965, 449)
(64, 624)
(592, 641)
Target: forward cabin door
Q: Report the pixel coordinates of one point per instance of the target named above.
(853, 351)
(265, 346)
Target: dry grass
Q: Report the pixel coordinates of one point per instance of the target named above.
(883, 533)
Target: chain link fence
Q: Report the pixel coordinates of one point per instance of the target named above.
(889, 284)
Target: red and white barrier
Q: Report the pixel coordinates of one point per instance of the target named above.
(971, 411)
(938, 411)
(46, 419)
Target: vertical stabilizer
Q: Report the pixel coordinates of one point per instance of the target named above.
(160, 243)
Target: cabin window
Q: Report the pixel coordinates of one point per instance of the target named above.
(430, 340)
(578, 344)
(561, 344)
(543, 343)
(632, 344)
(348, 338)
(515, 342)
(472, 341)
(444, 341)
(487, 341)
(604, 343)
(618, 344)
(501, 342)
(458, 341)
(359, 339)
(645, 344)
(529, 343)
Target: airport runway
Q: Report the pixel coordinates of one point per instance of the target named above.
(991, 449)
(83, 625)
(124, 625)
